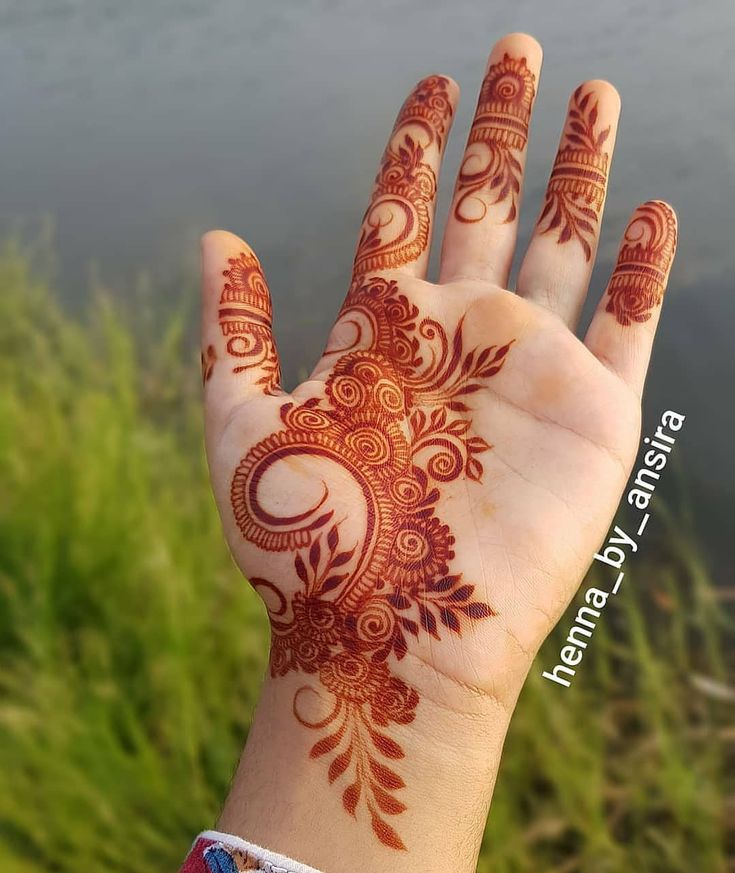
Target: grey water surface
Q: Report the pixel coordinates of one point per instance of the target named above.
(138, 125)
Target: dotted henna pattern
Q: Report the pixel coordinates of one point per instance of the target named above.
(245, 318)
(395, 420)
(501, 126)
(643, 264)
(395, 227)
(576, 189)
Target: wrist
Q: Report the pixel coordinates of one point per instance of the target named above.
(412, 793)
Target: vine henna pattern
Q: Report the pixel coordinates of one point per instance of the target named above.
(245, 318)
(395, 418)
(576, 189)
(639, 279)
(500, 129)
(395, 227)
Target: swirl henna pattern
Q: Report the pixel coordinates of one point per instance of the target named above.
(395, 227)
(395, 419)
(643, 264)
(576, 190)
(245, 317)
(500, 129)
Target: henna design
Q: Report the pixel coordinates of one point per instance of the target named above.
(639, 279)
(395, 227)
(501, 126)
(245, 317)
(208, 359)
(395, 420)
(576, 189)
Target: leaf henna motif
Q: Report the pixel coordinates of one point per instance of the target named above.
(395, 227)
(208, 360)
(501, 127)
(245, 318)
(576, 189)
(394, 418)
(644, 260)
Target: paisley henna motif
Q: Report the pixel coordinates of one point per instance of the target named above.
(394, 420)
(491, 173)
(576, 189)
(395, 228)
(643, 264)
(245, 317)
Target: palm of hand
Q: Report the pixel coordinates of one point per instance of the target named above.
(417, 514)
(432, 474)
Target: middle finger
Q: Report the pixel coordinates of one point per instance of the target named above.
(481, 230)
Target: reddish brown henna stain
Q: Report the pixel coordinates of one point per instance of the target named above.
(639, 279)
(208, 359)
(576, 189)
(245, 317)
(395, 420)
(501, 127)
(395, 227)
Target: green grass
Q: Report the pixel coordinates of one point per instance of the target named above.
(131, 652)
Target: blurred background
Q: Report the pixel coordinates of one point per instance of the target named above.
(130, 651)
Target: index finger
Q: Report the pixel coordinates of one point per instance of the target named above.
(396, 227)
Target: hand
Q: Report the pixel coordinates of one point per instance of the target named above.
(419, 512)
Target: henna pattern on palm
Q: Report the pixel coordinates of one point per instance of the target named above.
(500, 129)
(245, 317)
(644, 260)
(395, 227)
(576, 190)
(395, 419)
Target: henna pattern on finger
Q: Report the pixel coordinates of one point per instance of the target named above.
(576, 189)
(395, 227)
(639, 279)
(245, 318)
(491, 173)
(395, 421)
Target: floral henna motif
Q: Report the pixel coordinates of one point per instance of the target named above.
(643, 264)
(395, 420)
(395, 228)
(576, 190)
(245, 317)
(501, 130)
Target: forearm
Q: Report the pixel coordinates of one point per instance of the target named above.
(281, 796)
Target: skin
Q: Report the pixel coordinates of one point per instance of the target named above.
(557, 421)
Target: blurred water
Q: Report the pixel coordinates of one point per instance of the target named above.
(139, 125)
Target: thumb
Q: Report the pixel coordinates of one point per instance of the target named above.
(239, 358)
